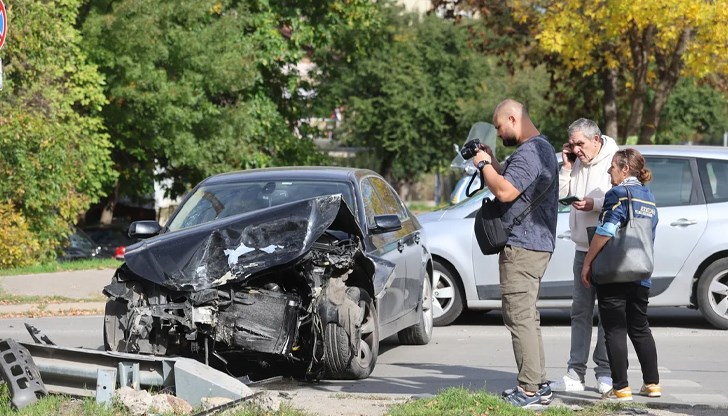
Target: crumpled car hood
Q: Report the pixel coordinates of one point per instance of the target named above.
(238, 247)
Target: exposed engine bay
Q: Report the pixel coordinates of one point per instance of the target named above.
(251, 292)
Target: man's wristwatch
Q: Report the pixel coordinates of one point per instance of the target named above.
(482, 164)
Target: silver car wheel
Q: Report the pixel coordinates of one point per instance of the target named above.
(718, 294)
(444, 294)
(712, 293)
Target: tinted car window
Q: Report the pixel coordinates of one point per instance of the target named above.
(672, 181)
(389, 199)
(714, 175)
(373, 205)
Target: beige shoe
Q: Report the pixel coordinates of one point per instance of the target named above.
(622, 395)
(651, 390)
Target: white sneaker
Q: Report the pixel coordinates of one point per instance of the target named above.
(566, 383)
(604, 384)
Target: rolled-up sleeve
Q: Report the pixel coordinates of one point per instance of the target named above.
(613, 213)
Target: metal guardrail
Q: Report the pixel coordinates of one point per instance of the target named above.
(87, 372)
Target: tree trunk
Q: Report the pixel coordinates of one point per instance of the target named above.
(609, 84)
(405, 190)
(639, 44)
(668, 72)
(107, 213)
(385, 168)
(652, 118)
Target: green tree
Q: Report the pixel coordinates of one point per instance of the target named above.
(649, 45)
(54, 155)
(199, 89)
(404, 100)
(695, 113)
(616, 61)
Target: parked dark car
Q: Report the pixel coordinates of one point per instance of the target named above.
(289, 268)
(112, 239)
(80, 247)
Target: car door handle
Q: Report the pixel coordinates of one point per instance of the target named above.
(683, 222)
(417, 238)
(400, 246)
(566, 235)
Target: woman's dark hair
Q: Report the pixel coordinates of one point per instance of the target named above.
(636, 163)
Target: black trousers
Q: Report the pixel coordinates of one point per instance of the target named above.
(623, 312)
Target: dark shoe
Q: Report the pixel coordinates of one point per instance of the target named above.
(544, 390)
(519, 398)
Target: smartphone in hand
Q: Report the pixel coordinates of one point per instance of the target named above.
(568, 200)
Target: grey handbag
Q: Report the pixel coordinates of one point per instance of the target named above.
(629, 255)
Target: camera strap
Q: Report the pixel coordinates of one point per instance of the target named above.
(472, 178)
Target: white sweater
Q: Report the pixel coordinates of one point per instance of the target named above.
(588, 180)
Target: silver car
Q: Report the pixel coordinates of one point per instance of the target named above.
(690, 184)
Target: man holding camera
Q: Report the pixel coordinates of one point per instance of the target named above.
(528, 174)
(587, 156)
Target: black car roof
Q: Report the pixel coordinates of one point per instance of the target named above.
(333, 173)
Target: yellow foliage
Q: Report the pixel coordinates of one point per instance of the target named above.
(18, 246)
(589, 34)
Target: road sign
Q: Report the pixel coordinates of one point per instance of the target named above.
(3, 24)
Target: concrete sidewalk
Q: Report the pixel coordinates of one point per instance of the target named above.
(83, 289)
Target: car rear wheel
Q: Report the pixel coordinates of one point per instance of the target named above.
(343, 360)
(448, 295)
(713, 294)
(421, 332)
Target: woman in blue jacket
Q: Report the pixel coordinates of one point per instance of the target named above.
(623, 306)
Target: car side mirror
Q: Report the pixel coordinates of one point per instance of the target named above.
(144, 229)
(386, 223)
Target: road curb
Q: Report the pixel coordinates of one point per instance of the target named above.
(51, 309)
(656, 404)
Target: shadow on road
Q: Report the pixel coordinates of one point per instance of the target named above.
(658, 316)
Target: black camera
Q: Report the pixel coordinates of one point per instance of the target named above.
(471, 148)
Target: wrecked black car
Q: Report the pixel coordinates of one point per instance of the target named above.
(286, 269)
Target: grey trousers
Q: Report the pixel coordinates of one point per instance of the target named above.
(582, 310)
(521, 271)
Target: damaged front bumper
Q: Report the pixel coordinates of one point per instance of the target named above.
(256, 288)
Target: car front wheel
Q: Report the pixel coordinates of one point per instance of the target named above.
(713, 294)
(343, 359)
(421, 332)
(448, 295)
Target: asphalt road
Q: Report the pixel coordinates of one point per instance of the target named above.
(476, 353)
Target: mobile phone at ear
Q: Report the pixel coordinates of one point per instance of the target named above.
(571, 156)
(568, 200)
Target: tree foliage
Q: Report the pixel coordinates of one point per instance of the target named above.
(18, 246)
(404, 101)
(648, 45)
(54, 156)
(196, 89)
(696, 113)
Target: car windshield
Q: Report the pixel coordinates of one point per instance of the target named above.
(476, 198)
(210, 202)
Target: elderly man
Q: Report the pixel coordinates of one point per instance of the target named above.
(587, 179)
(529, 175)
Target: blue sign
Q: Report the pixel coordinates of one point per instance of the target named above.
(3, 24)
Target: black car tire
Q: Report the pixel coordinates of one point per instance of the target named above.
(114, 332)
(421, 332)
(340, 360)
(446, 278)
(709, 300)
